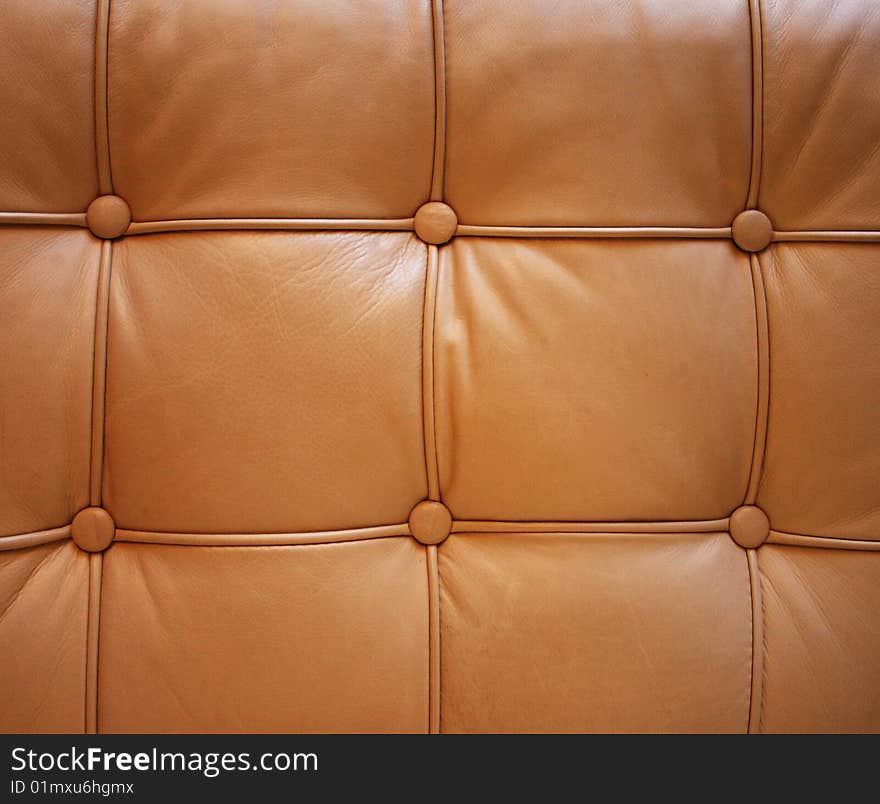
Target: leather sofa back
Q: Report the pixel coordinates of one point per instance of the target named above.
(440, 366)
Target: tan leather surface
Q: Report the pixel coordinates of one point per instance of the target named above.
(823, 440)
(48, 279)
(823, 638)
(329, 637)
(822, 113)
(47, 130)
(421, 365)
(256, 120)
(43, 596)
(253, 376)
(571, 373)
(597, 114)
(594, 632)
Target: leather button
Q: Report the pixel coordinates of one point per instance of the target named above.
(435, 222)
(749, 526)
(430, 522)
(108, 216)
(752, 230)
(93, 530)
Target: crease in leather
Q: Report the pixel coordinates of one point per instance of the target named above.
(51, 555)
(821, 634)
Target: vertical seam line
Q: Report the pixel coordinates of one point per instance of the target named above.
(433, 640)
(428, 395)
(428, 411)
(99, 374)
(763, 402)
(438, 171)
(757, 104)
(102, 124)
(756, 697)
(96, 473)
(96, 565)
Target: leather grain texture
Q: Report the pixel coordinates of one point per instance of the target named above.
(344, 624)
(440, 366)
(253, 376)
(571, 643)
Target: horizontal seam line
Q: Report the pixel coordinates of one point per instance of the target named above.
(19, 541)
(868, 543)
(77, 219)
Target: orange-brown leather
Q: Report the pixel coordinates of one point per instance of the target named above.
(438, 365)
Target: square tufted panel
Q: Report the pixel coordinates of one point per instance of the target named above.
(430, 365)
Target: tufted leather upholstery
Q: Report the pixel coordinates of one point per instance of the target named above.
(251, 381)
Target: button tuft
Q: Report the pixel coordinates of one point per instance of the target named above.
(430, 522)
(93, 530)
(749, 526)
(108, 216)
(752, 230)
(435, 222)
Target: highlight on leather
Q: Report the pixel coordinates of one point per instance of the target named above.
(461, 366)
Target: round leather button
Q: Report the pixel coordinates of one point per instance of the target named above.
(108, 216)
(430, 522)
(435, 222)
(749, 526)
(752, 230)
(93, 530)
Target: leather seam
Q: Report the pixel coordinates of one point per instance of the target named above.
(304, 538)
(756, 681)
(93, 620)
(762, 407)
(271, 224)
(429, 411)
(438, 166)
(436, 466)
(387, 225)
(816, 542)
(568, 526)
(761, 701)
(102, 112)
(757, 155)
(434, 707)
(99, 373)
(22, 541)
